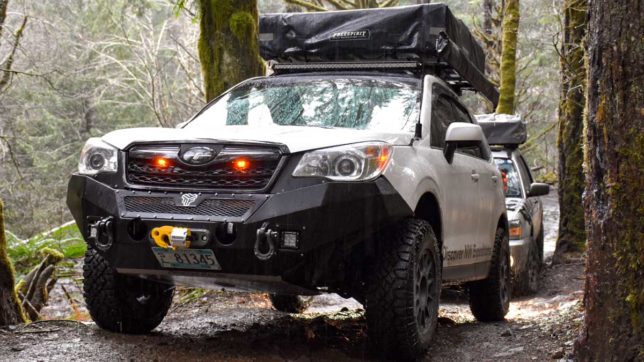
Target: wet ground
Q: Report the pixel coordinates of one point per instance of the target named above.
(217, 325)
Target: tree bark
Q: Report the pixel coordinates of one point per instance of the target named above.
(228, 47)
(614, 141)
(509, 58)
(572, 236)
(10, 310)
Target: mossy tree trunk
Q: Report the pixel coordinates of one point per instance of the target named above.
(10, 310)
(614, 142)
(572, 236)
(228, 47)
(508, 72)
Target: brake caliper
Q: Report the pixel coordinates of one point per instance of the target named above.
(171, 237)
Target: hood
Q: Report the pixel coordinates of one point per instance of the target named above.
(296, 138)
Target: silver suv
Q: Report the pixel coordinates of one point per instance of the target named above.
(367, 178)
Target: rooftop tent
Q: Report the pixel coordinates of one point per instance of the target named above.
(427, 36)
(503, 129)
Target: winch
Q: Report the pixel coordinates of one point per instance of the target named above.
(176, 237)
(171, 237)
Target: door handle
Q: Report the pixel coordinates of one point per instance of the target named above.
(495, 179)
(475, 176)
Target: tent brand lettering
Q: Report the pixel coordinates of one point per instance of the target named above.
(351, 35)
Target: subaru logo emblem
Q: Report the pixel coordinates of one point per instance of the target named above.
(198, 155)
(188, 199)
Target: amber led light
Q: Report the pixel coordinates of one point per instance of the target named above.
(161, 162)
(241, 164)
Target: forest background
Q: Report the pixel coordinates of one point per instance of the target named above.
(82, 69)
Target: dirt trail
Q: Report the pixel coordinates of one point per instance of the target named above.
(240, 327)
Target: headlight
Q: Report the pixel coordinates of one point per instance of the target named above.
(97, 156)
(356, 162)
(516, 231)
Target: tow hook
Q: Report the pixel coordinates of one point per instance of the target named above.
(171, 237)
(101, 233)
(265, 240)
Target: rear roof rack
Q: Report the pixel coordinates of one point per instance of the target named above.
(419, 38)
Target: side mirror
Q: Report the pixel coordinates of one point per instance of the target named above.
(538, 189)
(461, 134)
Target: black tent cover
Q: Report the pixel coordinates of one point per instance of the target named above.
(427, 33)
(503, 129)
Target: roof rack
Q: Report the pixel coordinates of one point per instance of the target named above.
(313, 66)
(419, 38)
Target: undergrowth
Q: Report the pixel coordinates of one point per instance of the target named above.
(25, 253)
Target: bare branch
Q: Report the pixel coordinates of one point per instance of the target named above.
(6, 75)
(307, 5)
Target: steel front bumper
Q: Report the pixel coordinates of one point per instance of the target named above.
(324, 216)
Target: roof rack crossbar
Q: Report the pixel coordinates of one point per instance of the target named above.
(390, 65)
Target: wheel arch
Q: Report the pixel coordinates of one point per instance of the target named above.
(428, 209)
(503, 222)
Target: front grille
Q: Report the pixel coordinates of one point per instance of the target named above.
(217, 174)
(208, 207)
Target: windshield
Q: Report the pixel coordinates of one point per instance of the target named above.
(511, 182)
(358, 103)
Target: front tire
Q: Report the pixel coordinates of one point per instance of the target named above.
(527, 282)
(490, 297)
(404, 291)
(294, 304)
(120, 303)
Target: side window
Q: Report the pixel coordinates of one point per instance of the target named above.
(461, 114)
(442, 116)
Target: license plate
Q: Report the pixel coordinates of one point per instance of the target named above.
(202, 259)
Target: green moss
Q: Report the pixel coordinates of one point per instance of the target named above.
(55, 256)
(228, 48)
(6, 269)
(242, 25)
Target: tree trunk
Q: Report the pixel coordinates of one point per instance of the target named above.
(572, 236)
(488, 6)
(228, 47)
(614, 141)
(10, 311)
(3, 15)
(509, 58)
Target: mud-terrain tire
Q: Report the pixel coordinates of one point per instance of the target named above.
(527, 282)
(290, 303)
(403, 291)
(490, 297)
(540, 240)
(120, 303)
